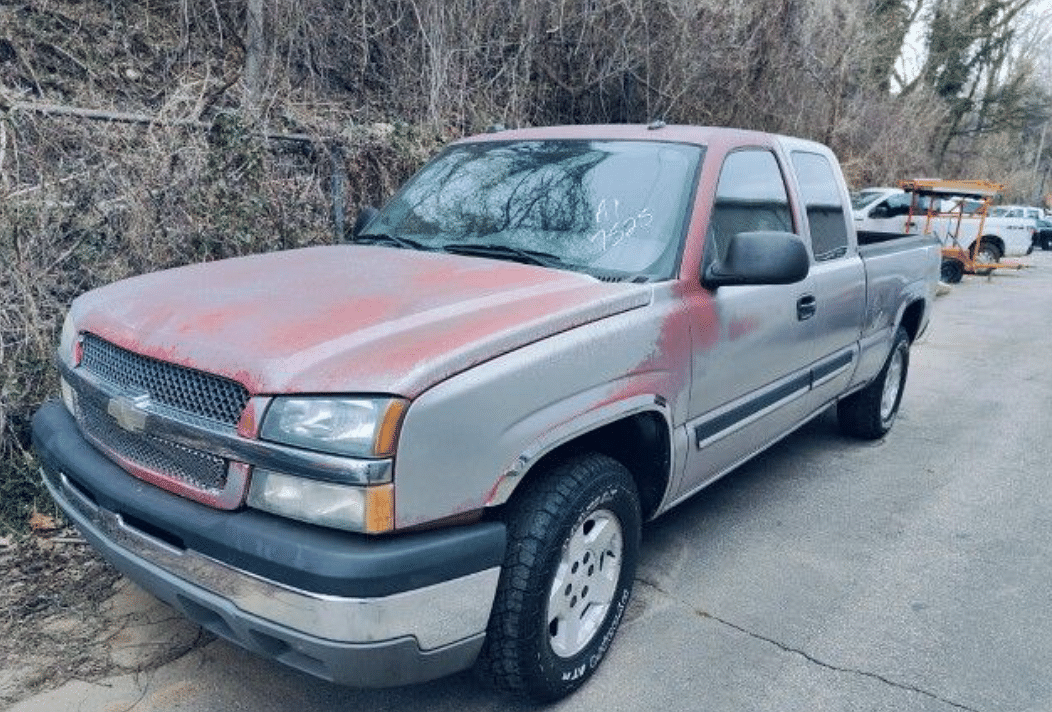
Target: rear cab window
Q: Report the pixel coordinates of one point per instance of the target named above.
(824, 205)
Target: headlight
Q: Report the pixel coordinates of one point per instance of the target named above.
(359, 427)
(361, 509)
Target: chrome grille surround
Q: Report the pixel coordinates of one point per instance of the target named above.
(185, 390)
(151, 440)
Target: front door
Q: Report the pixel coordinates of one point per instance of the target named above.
(752, 345)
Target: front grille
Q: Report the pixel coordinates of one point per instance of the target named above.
(184, 389)
(197, 469)
(186, 395)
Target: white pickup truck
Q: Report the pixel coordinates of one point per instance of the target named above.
(887, 210)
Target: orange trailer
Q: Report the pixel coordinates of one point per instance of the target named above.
(968, 200)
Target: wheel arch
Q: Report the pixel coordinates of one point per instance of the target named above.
(913, 318)
(994, 240)
(641, 441)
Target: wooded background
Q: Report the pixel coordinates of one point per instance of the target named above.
(137, 135)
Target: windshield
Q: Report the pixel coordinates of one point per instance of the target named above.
(863, 198)
(609, 208)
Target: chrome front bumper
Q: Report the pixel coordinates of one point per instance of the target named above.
(397, 639)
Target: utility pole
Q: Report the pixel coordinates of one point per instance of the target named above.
(1037, 163)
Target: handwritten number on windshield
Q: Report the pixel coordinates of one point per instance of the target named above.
(612, 229)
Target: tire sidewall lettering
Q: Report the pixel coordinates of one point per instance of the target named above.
(571, 670)
(615, 622)
(902, 347)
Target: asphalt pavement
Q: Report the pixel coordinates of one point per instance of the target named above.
(826, 574)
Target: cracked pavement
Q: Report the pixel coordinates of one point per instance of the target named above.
(825, 575)
(807, 656)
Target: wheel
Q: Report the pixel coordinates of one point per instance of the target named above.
(952, 270)
(988, 253)
(573, 543)
(1046, 242)
(870, 413)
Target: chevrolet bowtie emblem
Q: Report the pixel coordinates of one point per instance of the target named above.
(130, 413)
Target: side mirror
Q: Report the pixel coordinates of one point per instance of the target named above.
(880, 211)
(760, 258)
(365, 216)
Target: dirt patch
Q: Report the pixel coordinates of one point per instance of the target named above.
(65, 614)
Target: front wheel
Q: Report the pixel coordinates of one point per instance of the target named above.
(573, 543)
(870, 413)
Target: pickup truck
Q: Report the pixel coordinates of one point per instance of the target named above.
(887, 209)
(433, 448)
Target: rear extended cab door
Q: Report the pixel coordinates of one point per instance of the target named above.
(837, 271)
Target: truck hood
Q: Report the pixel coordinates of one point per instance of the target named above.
(359, 318)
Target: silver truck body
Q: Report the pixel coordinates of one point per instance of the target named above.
(505, 368)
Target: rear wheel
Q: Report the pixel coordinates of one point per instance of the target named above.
(870, 413)
(573, 543)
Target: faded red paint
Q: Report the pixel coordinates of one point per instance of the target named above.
(252, 417)
(332, 319)
(740, 328)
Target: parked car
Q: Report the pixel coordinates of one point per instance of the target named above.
(1017, 211)
(434, 448)
(1043, 234)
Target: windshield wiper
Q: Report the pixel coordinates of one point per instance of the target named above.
(516, 254)
(384, 238)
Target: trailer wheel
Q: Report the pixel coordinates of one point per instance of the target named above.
(952, 271)
(573, 542)
(870, 413)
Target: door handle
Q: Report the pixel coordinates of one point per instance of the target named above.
(806, 306)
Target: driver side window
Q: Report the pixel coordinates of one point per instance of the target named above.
(750, 197)
(893, 206)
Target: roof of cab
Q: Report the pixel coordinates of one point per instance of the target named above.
(657, 131)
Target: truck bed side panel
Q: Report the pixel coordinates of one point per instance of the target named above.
(898, 273)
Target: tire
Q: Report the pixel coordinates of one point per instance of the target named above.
(573, 544)
(870, 413)
(952, 271)
(1046, 242)
(988, 253)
